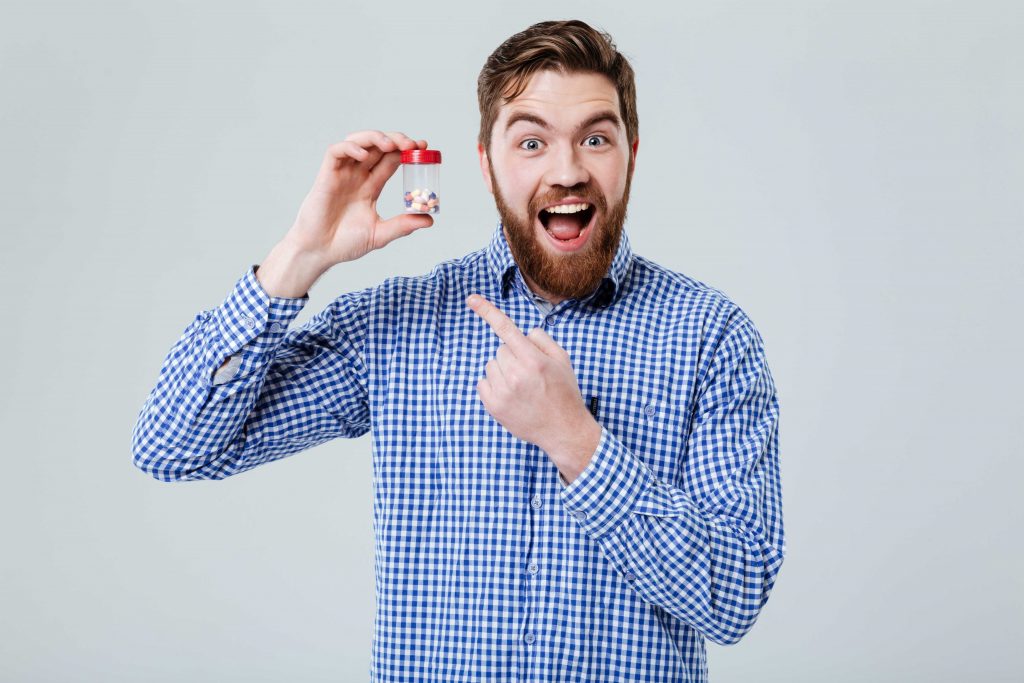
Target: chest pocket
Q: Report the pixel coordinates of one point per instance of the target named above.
(653, 428)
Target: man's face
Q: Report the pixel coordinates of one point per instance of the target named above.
(561, 142)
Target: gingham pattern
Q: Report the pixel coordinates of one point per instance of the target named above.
(487, 567)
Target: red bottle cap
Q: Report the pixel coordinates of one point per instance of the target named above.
(421, 156)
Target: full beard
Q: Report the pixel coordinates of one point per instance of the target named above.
(571, 275)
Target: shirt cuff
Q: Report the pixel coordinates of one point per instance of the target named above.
(249, 319)
(606, 491)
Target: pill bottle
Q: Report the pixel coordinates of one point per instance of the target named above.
(421, 180)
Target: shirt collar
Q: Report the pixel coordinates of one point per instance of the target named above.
(503, 267)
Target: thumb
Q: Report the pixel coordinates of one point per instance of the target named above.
(399, 226)
(545, 343)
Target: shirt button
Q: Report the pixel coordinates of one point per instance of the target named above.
(249, 322)
(580, 515)
(630, 576)
(533, 568)
(529, 638)
(535, 502)
(277, 327)
(549, 320)
(650, 411)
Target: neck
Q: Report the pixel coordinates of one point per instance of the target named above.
(552, 299)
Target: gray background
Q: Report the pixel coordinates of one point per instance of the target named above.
(848, 173)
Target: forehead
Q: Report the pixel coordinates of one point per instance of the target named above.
(558, 96)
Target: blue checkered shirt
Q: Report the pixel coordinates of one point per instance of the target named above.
(488, 567)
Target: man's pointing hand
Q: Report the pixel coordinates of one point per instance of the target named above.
(530, 388)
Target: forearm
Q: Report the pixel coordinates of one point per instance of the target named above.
(192, 425)
(711, 566)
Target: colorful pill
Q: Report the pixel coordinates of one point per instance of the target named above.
(422, 200)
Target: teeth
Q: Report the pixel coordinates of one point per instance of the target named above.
(568, 208)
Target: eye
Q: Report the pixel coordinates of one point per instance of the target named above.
(599, 138)
(531, 145)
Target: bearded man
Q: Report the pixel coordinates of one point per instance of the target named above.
(575, 449)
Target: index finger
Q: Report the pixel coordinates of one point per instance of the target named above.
(403, 141)
(385, 142)
(501, 324)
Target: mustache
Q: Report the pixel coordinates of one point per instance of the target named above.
(584, 192)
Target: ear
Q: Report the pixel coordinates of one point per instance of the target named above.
(632, 157)
(485, 167)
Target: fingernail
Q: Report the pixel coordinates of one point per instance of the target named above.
(473, 298)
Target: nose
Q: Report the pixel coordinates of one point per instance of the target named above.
(566, 167)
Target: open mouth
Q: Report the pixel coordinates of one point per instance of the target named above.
(567, 224)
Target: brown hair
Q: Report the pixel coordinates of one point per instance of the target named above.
(566, 46)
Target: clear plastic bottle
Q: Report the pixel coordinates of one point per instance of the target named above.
(421, 180)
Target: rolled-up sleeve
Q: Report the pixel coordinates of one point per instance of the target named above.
(707, 552)
(280, 392)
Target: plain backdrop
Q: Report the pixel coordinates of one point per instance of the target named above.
(849, 173)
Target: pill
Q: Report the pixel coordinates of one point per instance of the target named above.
(422, 200)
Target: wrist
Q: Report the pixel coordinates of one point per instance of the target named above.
(574, 455)
(288, 271)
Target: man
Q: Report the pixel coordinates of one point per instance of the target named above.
(587, 500)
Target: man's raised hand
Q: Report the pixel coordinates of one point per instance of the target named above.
(338, 220)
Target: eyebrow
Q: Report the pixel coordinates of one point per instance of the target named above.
(522, 116)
